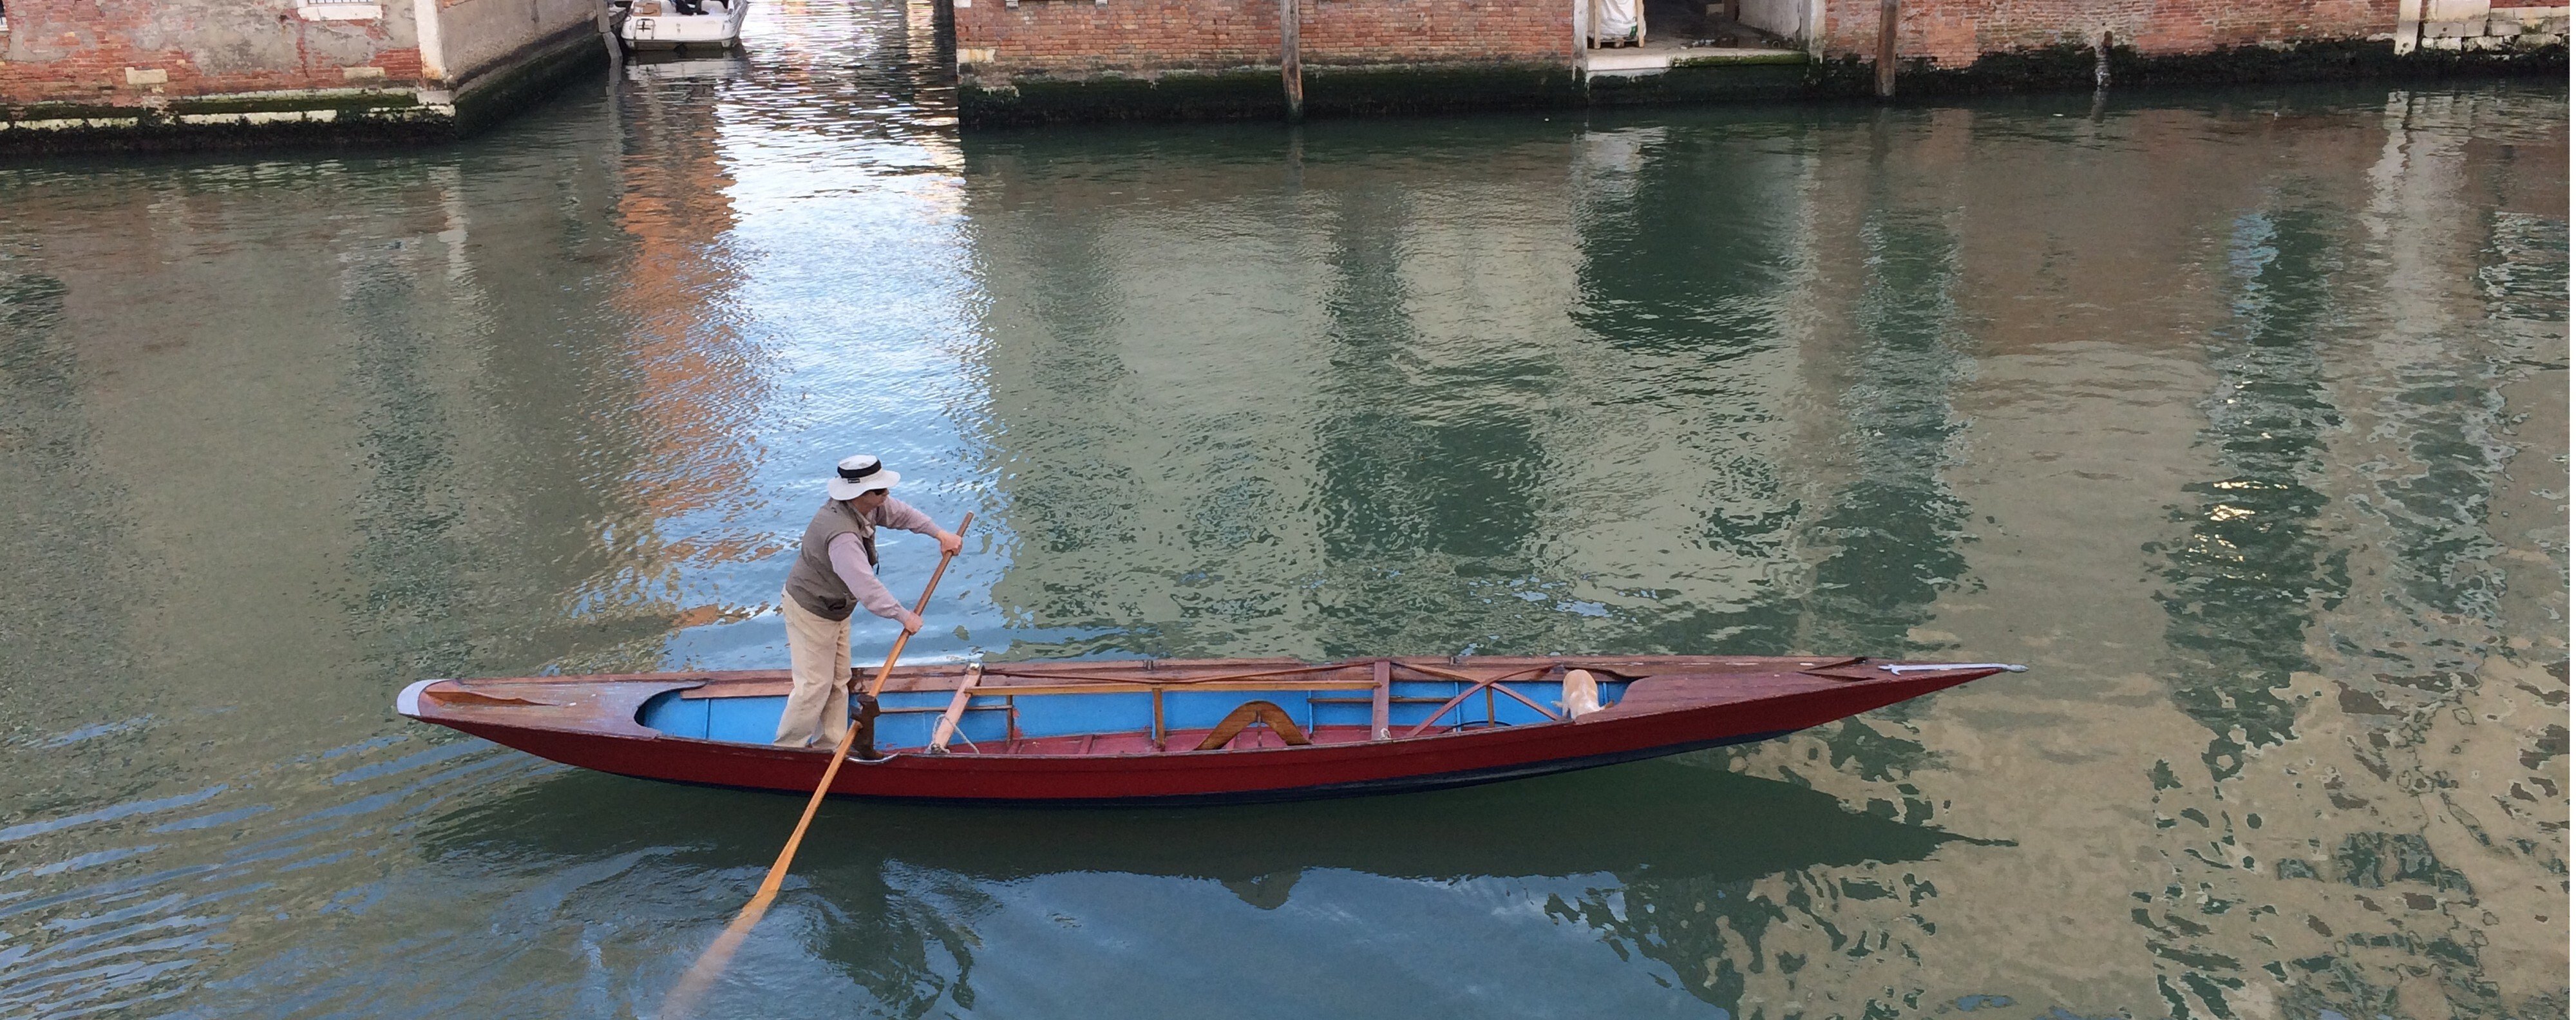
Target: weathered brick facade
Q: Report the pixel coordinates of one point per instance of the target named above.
(1037, 60)
(112, 51)
(1078, 36)
(1955, 33)
(1072, 36)
(85, 73)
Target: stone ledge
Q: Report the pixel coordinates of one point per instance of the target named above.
(2070, 68)
(1659, 59)
(989, 97)
(1712, 58)
(1252, 92)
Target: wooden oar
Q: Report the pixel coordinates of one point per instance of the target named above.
(684, 996)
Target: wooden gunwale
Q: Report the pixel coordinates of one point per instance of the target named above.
(930, 671)
(988, 686)
(942, 677)
(1176, 682)
(1084, 751)
(1148, 687)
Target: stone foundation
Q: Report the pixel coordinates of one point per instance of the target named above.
(2474, 26)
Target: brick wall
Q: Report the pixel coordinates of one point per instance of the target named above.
(132, 51)
(1075, 37)
(1953, 33)
(1079, 36)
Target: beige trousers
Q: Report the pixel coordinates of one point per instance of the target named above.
(818, 657)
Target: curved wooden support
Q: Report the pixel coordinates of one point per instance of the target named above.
(1494, 683)
(1255, 711)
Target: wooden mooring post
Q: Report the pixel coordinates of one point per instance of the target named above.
(1292, 77)
(1886, 49)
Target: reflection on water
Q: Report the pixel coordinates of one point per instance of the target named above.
(2240, 417)
(2244, 584)
(924, 905)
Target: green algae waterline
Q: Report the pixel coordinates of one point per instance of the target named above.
(2239, 416)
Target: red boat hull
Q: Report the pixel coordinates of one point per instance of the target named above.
(1663, 712)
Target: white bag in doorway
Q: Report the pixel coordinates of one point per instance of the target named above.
(1618, 23)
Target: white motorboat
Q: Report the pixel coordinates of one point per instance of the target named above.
(670, 24)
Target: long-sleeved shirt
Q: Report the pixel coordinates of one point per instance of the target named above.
(850, 560)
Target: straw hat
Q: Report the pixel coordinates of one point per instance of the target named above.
(860, 473)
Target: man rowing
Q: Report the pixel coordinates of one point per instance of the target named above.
(835, 572)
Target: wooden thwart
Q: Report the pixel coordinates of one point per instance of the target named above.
(1383, 677)
(956, 710)
(1255, 711)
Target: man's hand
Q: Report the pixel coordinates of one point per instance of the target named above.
(911, 622)
(950, 544)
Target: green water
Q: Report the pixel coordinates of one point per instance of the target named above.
(2239, 416)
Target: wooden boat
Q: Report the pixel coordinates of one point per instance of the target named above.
(1184, 731)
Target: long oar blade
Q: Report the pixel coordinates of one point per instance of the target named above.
(694, 982)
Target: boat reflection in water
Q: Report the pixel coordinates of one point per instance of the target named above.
(697, 64)
(1676, 862)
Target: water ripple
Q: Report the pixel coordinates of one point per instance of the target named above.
(2241, 417)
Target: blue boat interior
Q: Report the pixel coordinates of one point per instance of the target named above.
(909, 717)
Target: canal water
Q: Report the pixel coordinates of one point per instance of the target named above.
(2239, 416)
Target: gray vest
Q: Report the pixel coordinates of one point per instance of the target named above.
(811, 582)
